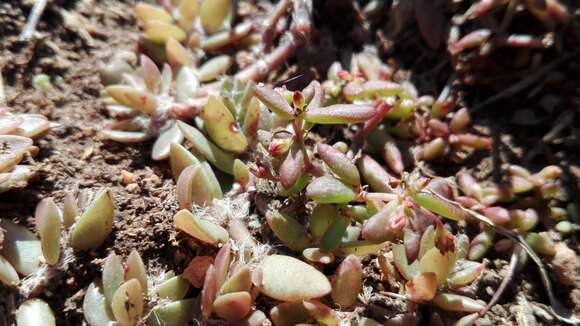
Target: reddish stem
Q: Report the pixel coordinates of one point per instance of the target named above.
(370, 125)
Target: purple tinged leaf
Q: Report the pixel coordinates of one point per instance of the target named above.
(239, 232)
(340, 113)
(460, 121)
(322, 313)
(374, 174)
(208, 293)
(195, 185)
(328, 190)
(341, 165)
(347, 283)
(392, 155)
(383, 225)
(480, 245)
(274, 101)
(233, 306)
(222, 264)
(317, 96)
(497, 214)
(293, 167)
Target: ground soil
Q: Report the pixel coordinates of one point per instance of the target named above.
(73, 155)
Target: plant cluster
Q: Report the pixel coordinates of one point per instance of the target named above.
(17, 132)
(336, 175)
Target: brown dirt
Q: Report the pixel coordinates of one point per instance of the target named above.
(73, 155)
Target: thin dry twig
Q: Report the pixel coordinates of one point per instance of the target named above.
(33, 19)
(514, 260)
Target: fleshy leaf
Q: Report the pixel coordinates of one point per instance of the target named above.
(195, 187)
(162, 146)
(341, 165)
(438, 263)
(133, 98)
(439, 206)
(328, 190)
(240, 281)
(222, 128)
(95, 307)
(127, 303)
(214, 67)
(160, 32)
(321, 218)
(455, 302)
(233, 306)
(146, 12)
(174, 288)
(113, 276)
(198, 228)
(284, 278)
(293, 167)
(422, 287)
(317, 255)
(21, 248)
(8, 275)
(49, 224)
(35, 312)
(216, 156)
(214, 13)
(334, 234)
(13, 149)
(340, 113)
(95, 224)
(274, 101)
(289, 314)
(172, 314)
(374, 174)
(135, 269)
(347, 282)
(288, 230)
(180, 158)
(323, 314)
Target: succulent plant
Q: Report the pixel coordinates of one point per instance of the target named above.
(17, 132)
(85, 228)
(122, 292)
